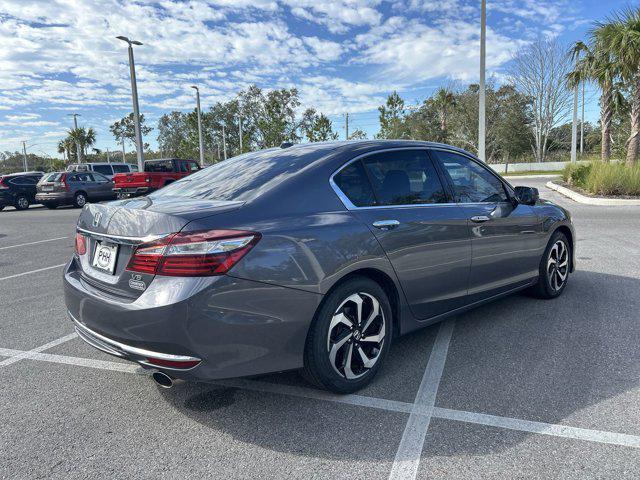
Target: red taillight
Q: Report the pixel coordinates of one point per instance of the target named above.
(3, 186)
(61, 183)
(193, 254)
(81, 244)
(184, 364)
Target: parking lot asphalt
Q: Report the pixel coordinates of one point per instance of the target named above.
(521, 387)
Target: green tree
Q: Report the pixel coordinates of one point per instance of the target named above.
(172, 130)
(392, 117)
(620, 36)
(443, 102)
(358, 134)
(317, 127)
(83, 137)
(124, 130)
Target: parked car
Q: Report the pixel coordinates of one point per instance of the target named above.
(157, 174)
(106, 169)
(314, 256)
(18, 189)
(73, 188)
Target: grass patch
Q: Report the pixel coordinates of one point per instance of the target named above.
(597, 178)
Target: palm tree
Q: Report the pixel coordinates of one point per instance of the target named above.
(84, 138)
(594, 63)
(620, 36)
(66, 146)
(443, 100)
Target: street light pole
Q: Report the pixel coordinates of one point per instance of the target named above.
(481, 105)
(24, 155)
(134, 97)
(574, 125)
(582, 123)
(240, 129)
(200, 141)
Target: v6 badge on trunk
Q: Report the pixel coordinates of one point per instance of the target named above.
(136, 282)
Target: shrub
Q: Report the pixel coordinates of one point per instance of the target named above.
(604, 178)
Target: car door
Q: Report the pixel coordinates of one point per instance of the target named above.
(86, 183)
(103, 186)
(504, 234)
(399, 195)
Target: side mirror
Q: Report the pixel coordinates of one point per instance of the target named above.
(527, 195)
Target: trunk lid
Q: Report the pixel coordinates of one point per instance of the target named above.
(135, 179)
(126, 223)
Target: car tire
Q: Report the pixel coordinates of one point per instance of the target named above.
(79, 200)
(1, 207)
(22, 202)
(51, 205)
(555, 267)
(346, 344)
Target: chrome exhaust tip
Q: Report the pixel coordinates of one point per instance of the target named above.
(162, 379)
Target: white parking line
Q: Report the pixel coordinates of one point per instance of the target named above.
(33, 243)
(405, 464)
(41, 348)
(32, 271)
(554, 430)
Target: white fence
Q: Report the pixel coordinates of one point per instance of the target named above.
(529, 167)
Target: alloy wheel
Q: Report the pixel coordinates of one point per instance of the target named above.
(81, 200)
(23, 203)
(356, 335)
(558, 265)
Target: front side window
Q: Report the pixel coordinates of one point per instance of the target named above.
(99, 178)
(404, 177)
(194, 166)
(182, 167)
(353, 182)
(471, 183)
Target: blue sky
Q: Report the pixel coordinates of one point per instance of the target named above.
(60, 57)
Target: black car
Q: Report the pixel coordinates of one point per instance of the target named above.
(19, 189)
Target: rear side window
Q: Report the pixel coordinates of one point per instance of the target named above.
(103, 169)
(159, 166)
(24, 180)
(404, 177)
(120, 168)
(471, 182)
(82, 177)
(182, 167)
(353, 182)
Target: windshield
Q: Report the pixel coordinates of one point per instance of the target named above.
(240, 178)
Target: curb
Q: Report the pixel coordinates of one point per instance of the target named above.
(577, 197)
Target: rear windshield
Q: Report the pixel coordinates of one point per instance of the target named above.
(120, 168)
(52, 177)
(240, 178)
(159, 166)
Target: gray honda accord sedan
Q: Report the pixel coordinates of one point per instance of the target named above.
(311, 257)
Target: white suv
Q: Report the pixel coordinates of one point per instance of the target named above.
(106, 169)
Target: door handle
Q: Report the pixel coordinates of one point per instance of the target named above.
(386, 224)
(480, 218)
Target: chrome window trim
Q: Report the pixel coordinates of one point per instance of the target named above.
(86, 331)
(350, 206)
(121, 238)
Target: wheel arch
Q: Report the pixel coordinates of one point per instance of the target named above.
(569, 234)
(385, 282)
(79, 192)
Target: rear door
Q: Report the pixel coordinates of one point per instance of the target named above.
(84, 181)
(399, 195)
(504, 234)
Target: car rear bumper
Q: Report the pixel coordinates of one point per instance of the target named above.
(132, 190)
(235, 327)
(54, 197)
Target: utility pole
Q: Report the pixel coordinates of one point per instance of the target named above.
(574, 125)
(224, 144)
(24, 155)
(75, 126)
(481, 99)
(124, 156)
(134, 98)
(218, 147)
(582, 124)
(200, 142)
(108, 159)
(346, 126)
